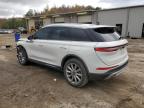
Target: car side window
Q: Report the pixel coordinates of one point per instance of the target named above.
(58, 33)
(53, 34)
(62, 33)
(79, 35)
(41, 34)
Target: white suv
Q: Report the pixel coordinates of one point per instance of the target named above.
(82, 51)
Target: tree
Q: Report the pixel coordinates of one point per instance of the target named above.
(2, 22)
(61, 9)
(13, 23)
(98, 8)
(46, 9)
(90, 7)
(30, 12)
(66, 9)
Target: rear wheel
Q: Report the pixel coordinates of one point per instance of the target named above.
(75, 73)
(22, 56)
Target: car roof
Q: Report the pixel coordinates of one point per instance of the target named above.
(76, 25)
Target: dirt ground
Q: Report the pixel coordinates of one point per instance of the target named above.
(36, 86)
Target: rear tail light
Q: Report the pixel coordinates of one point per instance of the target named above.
(106, 49)
(109, 49)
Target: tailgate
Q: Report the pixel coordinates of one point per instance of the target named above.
(112, 53)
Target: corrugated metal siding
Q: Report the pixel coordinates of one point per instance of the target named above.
(136, 20)
(95, 18)
(114, 17)
(74, 19)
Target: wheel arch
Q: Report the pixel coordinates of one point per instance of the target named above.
(70, 56)
(20, 46)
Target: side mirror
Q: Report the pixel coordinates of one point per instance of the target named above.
(30, 37)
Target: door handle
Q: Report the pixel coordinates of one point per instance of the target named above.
(40, 45)
(29, 41)
(63, 47)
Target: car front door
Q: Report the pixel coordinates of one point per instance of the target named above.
(35, 46)
(49, 45)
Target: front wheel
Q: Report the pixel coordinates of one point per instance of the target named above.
(75, 73)
(22, 56)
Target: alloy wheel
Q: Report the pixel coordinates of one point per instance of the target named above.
(21, 57)
(74, 73)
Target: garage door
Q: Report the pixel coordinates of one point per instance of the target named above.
(85, 19)
(46, 21)
(59, 20)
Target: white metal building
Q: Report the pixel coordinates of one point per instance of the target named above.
(129, 20)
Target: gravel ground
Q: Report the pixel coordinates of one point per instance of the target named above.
(36, 86)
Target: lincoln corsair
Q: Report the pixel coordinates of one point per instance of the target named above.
(82, 51)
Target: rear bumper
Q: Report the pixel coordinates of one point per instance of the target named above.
(114, 72)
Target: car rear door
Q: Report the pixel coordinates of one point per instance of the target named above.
(56, 46)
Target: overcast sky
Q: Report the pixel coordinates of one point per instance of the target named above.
(17, 8)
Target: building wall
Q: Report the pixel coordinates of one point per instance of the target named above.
(31, 23)
(74, 19)
(52, 20)
(46, 21)
(132, 19)
(67, 19)
(85, 18)
(113, 17)
(95, 18)
(136, 20)
(59, 19)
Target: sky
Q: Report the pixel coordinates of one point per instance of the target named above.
(17, 8)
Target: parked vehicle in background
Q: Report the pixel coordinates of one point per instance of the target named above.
(22, 30)
(82, 51)
(6, 31)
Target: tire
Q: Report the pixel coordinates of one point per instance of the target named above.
(22, 56)
(75, 73)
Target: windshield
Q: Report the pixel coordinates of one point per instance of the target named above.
(105, 34)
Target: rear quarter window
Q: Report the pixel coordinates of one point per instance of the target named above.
(104, 34)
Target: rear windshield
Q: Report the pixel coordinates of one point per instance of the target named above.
(104, 34)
